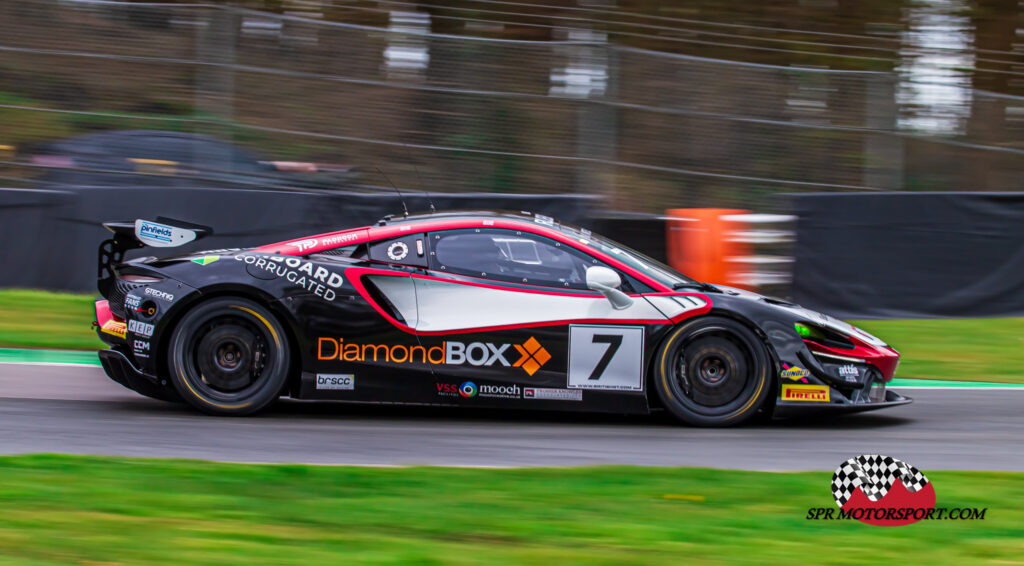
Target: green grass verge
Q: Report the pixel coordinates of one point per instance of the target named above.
(990, 349)
(42, 319)
(82, 510)
(962, 349)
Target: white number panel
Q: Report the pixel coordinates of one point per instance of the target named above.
(606, 357)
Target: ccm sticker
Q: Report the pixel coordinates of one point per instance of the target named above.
(140, 328)
(343, 381)
(140, 348)
(161, 235)
(809, 393)
(606, 357)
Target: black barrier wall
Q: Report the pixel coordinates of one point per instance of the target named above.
(910, 255)
(50, 237)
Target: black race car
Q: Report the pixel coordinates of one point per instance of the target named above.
(479, 309)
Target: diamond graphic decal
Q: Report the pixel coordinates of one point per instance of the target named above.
(206, 259)
(532, 356)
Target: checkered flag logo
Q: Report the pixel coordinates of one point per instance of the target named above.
(874, 474)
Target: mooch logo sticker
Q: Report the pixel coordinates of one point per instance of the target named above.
(884, 491)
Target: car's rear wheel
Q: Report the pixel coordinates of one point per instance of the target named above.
(229, 356)
(713, 371)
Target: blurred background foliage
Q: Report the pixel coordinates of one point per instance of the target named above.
(650, 104)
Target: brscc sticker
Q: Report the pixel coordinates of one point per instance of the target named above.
(336, 381)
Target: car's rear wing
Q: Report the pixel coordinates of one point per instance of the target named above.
(161, 233)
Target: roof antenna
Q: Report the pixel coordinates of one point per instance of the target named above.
(405, 211)
(418, 178)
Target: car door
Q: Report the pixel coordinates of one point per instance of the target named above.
(512, 312)
(364, 346)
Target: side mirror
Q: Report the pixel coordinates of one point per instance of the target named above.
(607, 282)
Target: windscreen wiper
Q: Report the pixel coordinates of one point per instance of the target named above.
(696, 285)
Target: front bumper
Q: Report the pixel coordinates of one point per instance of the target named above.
(120, 369)
(792, 408)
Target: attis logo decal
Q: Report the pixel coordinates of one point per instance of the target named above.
(884, 491)
(849, 372)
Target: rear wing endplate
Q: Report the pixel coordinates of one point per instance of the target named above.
(161, 233)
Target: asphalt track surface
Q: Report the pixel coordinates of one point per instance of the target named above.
(76, 409)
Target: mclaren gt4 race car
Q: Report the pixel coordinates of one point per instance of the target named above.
(480, 309)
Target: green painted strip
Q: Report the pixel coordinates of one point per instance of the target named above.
(953, 384)
(26, 356)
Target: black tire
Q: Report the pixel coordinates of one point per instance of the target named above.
(713, 371)
(229, 356)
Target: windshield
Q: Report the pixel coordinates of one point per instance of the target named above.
(649, 266)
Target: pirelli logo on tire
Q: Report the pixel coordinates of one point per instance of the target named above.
(806, 393)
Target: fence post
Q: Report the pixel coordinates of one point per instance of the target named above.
(883, 152)
(215, 79)
(596, 124)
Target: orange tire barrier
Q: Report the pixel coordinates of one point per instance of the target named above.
(699, 244)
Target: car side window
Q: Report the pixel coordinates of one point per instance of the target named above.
(509, 255)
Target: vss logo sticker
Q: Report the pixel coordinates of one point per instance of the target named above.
(469, 390)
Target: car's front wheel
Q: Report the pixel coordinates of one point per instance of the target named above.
(229, 356)
(713, 371)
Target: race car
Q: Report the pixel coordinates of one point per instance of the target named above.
(479, 309)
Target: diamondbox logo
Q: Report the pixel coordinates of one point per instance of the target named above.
(531, 354)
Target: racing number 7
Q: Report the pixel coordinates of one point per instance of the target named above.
(613, 341)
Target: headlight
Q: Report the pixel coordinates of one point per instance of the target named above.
(822, 335)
